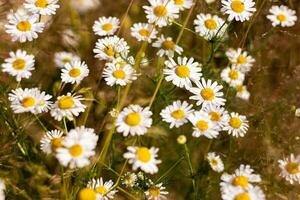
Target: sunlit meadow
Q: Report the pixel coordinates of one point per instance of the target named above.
(150, 99)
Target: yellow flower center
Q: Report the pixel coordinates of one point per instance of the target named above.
(292, 168)
(242, 196)
(24, 26)
(119, 74)
(107, 27)
(76, 150)
(214, 162)
(235, 122)
(207, 94)
(240, 181)
(133, 119)
(74, 72)
(143, 154)
(19, 64)
(109, 51)
(214, 116)
(281, 17)
(154, 191)
(237, 6)
(168, 45)
(87, 194)
(202, 125)
(102, 190)
(239, 88)
(233, 74)
(160, 11)
(210, 24)
(56, 143)
(177, 114)
(41, 3)
(66, 102)
(179, 2)
(182, 71)
(144, 32)
(28, 102)
(241, 60)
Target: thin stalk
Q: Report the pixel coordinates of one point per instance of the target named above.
(170, 169)
(65, 124)
(188, 159)
(41, 123)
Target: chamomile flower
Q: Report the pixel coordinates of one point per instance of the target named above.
(24, 28)
(218, 115)
(62, 58)
(118, 74)
(19, 64)
(29, 100)
(242, 177)
(51, 141)
(143, 32)
(166, 46)
(78, 146)
(282, 16)
(177, 113)
(242, 92)
(106, 26)
(143, 158)
(215, 162)
(42, 7)
(104, 190)
(74, 72)
(239, 10)
(290, 168)
(67, 106)
(161, 12)
(252, 193)
(134, 120)
(129, 179)
(232, 76)
(203, 125)
(183, 72)
(109, 47)
(237, 125)
(156, 192)
(207, 93)
(210, 26)
(183, 4)
(240, 59)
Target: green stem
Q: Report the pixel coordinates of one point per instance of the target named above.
(187, 154)
(169, 170)
(41, 123)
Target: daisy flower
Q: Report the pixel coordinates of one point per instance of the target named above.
(183, 4)
(166, 46)
(67, 106)
(78, 146)
(42, 7)
(177, 113)
(19, 64)
(183, 72)
(282, 16)
(252, 193)
(215, 162)
(207, 93)
(237, 125)
(290, 168)
(232, 76)
(242, 177)
(104, 190)
(106, 26)
(218, 115)
(29, 100)
(119, 74)
(210, 26)
(134, 120)
(23, 28)
(239, 10)
(62, 58)
(51, 141)
(109, 47)
(156, 192)
(161, 12)
(74, 72)
(129, 179)
(143, 158)
(242, 92)
(143, 32)
(203, 125)
(240, 59)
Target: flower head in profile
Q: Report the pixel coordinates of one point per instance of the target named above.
(215, 162)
